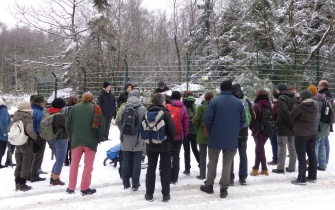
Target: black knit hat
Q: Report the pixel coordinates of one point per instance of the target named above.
(176, 95)
(305, 94)
(161, 84)
(106, 84)
(58, 103)
(282, 86)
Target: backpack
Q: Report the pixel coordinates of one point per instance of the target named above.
(249, 111)
(267, 123)
(153, 127)
(175, 114)
(327, 111)
(16, 134)
(46, 127)
(190, 114)
(129, 121)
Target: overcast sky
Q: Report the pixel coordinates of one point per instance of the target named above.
(9, 20)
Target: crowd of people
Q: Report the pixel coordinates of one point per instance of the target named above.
(297, 122)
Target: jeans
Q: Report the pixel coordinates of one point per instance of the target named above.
(175, 161)
(320, 152)
(191, 139)
(242, 151)
(274, 145)
(327, 149)
(59, 149)
(131, 167)
(165, 167)
(303, 145)
(260, 152)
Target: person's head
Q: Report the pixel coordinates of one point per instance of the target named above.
(87, 97)
(129, 87)
(32, 98)
(73, 100)
(107, 86)
(209, 96)
(161, 85)
(187, 94)
(226, 85)
(237, 91)
(293, 89)
(313, 89)
(305, 94)
(281, 87)
(158, 99)
(176, 95)
(322, 85)
(58, 103)
(275, 95)
(262, 94)
(39, 100)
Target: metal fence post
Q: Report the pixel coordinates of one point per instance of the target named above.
(85, 76)
(126, 63)
(187, 71)
(55, 83)
(318, 75)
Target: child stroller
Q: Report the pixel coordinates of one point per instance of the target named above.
(113, 154)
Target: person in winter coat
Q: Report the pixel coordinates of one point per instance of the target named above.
(303, 116)
(323, 89)
(162, 150)
(224, 118)
(106, 101)
(4, 123)
(285, 129)
(59, 145)
(243, 137)
(24, 153)
(262, 100)
(178, 110)
(323, 130)
(273, 137)
(71, 101)
(123, 96)
(85, 127)
(132, 146)
(199, 123)
(39, 146)
(162, 87)
(188, 101)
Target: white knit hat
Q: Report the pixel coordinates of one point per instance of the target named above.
(24, 106)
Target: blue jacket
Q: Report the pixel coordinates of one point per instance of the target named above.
(38, 115)
(4, 122)
(224, 118)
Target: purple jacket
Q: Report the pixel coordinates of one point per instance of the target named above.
(258, 111)
(184, 120)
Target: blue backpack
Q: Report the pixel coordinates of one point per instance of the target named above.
(153, 127)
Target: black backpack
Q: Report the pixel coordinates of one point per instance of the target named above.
(129, 121)
(327, 111)
(267, 123)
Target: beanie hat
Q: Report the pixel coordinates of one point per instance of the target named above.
(282, 86)
(305, 94)
(161, 84)
(58, 103)
(135, 92)
(38, 99)
(313, 89)
(106, 84)
(24, 106)
(176, 95)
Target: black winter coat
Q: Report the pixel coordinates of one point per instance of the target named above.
(285, 104)
(122, 98)
(106, 101)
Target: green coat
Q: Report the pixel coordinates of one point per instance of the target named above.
(198, 122)
(79, 126)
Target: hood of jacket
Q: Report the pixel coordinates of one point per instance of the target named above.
(308, 105)
(319, 97)
(135, 93)
(18, 115)
(288, 93)
(155, 107)
(133, 101)
(177, 103)
(266, 103)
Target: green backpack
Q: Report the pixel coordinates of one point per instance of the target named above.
(46, 127)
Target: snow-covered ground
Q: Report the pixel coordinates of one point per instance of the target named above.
(262, 192)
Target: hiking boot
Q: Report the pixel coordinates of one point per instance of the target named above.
(254, 172)
(89, 191)
(311, 180)
(232, 182)
(38, 179)
(42, 172)
(223, 192)
(126, 186)
(149, 198)
(296, 182)
(57, 182)
(135, 187)
(69, 191)
(174, 182)
(166, 198)
(187, 172)
(272, 163)
(278, 171)
(321, 169)
(207, 188)
(289, 170)
(200, 177)
(243, 182)
(264, 172)
(24, 187)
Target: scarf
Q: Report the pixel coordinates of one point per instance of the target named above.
(97, 114)
(53, 110)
